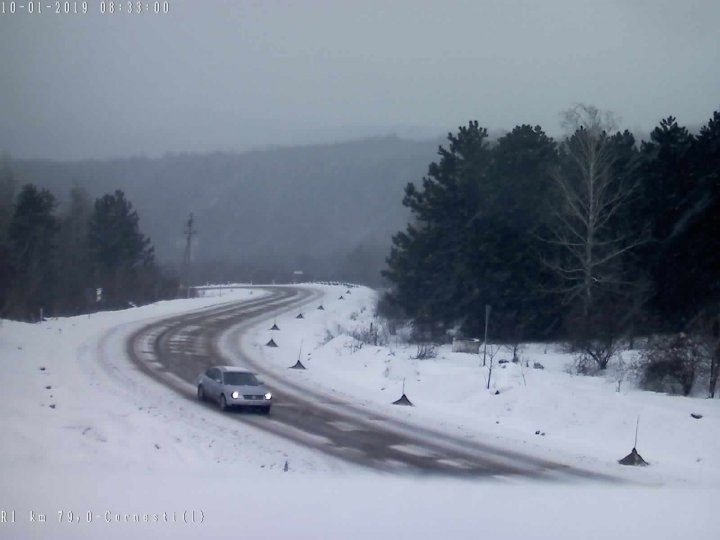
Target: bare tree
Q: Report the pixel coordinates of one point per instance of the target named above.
(492, 351)
(592, 249)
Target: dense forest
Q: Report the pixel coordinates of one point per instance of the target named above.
(329, 210)
(594, 237)
(91, 257)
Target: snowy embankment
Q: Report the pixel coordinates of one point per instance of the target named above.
(578, 420)
(84, 432)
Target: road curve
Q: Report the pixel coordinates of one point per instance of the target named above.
(175, 350)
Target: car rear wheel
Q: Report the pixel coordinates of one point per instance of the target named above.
(201, 393)
(223, 403)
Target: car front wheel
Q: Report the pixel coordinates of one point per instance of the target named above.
(223, 403)
(201, 393)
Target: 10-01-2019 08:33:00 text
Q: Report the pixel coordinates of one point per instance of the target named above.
(39, 7)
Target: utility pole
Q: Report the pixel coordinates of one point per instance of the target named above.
(189, 232)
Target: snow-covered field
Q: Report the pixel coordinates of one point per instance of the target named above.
(83, 431)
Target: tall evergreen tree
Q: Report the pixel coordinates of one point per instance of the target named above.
(73, 258)
(515, 220)
(430, 264)
(31, 237)
(682, 175)
(474, 238)
(7, 199)
(703, 247)
(121, 257)
(673, 199)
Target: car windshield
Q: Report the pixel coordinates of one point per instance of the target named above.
(240, 379)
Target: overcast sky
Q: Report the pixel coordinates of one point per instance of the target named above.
(213, 75)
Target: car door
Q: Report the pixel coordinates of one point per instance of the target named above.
(218, 384)
(213, 391)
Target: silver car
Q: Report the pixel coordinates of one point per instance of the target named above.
(231, 386)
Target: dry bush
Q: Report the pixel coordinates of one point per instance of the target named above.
(671, 364)
(376, 334)
(425, 351)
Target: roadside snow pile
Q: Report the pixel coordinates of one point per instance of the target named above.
(570, 418)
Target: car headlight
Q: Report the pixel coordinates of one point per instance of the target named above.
(235, 395)
(268, 396)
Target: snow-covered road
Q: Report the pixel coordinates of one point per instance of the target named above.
(85, 430)
(174, 351)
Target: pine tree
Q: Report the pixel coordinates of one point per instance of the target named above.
(683, 203)
(430, 264)
(7, 199)
(704, 233)
(76, 292)
(474, 240)
(31, 237)
(121, 257)
(515, 280)
(673, 200)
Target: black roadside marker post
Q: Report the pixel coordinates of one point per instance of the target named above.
(404, 399)
(633, 458)
(298, 364)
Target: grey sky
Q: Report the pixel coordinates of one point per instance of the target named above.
(231, 75)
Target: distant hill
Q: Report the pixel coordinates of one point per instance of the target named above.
(329, 210)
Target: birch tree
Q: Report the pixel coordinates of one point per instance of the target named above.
(593, 248)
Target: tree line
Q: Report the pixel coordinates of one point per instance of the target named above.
(90, 256)
(593, 237)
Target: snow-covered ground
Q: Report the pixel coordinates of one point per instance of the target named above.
(84, 431)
